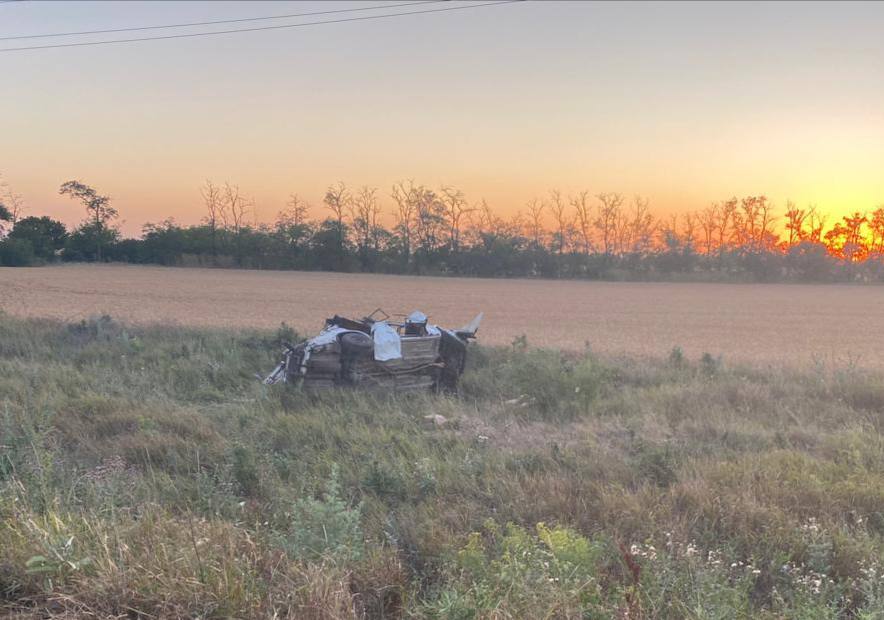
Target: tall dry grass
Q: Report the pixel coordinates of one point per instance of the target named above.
(145, 473)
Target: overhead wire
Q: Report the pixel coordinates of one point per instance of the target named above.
(258, 28)
(212, 22)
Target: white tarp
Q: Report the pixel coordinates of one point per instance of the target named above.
(328, 335)
(417, 317)
(386, 342)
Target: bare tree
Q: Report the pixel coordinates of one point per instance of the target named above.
(767, 240)
(456, 210)
(292, 223)
(535, 221)
(406, 211)
(795, 220)
(13, 201)
(815, 224)
(752, 221)
(214, 203)
(295, 213)
(689, 229)
(607, 213)
(622, 238)
(236, 206)
(487, 223)
(726, 211)
(668, 231)
(515, 226)
(364, 213)
(337, 200)
(430, 219)
(560, 215)
(876, 229)
(708, 218)
(583, 219)
(641, 225)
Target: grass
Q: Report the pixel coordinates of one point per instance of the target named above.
(145, 473)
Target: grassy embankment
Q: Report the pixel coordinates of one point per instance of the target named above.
(145, 471)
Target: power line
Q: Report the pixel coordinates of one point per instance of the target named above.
(277, 27)
(210, 23)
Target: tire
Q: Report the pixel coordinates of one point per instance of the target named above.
(355, 345)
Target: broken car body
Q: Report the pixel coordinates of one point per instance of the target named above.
(378, 353)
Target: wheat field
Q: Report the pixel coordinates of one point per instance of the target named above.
(795, 324)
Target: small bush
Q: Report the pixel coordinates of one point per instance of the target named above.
(385, 481)
(656, 463)
(101, 328)
(709, 364)
(245, 471)
(676, 357)
(325, 528)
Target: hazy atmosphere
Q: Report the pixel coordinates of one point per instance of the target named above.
(684, 103)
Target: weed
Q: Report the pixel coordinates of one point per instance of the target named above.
(325, 527)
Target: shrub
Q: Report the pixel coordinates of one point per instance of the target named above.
(554, 385)
(515, 573)
(285, 334)
(16, 253)
(709, 364)
(676, 357)
(47, 236)
(326, 527)
(245, 471)
(656, 463)
(385, 481)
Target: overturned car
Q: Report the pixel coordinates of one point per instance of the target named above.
(378, 353)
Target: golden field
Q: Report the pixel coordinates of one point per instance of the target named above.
(795, 324)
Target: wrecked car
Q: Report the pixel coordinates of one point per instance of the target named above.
(379, 353)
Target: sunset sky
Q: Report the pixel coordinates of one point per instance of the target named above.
(685, 103)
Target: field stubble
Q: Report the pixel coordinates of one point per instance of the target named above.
(794, 324)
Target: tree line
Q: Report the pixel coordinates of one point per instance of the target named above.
(439, 231)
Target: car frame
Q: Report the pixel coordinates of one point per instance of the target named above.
(377, 353)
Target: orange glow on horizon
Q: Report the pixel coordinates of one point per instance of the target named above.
(685, 104)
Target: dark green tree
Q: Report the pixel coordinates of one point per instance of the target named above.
(87, 241)
(98, 210)
(46, 236)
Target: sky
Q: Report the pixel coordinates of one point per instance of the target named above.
(685, 103)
